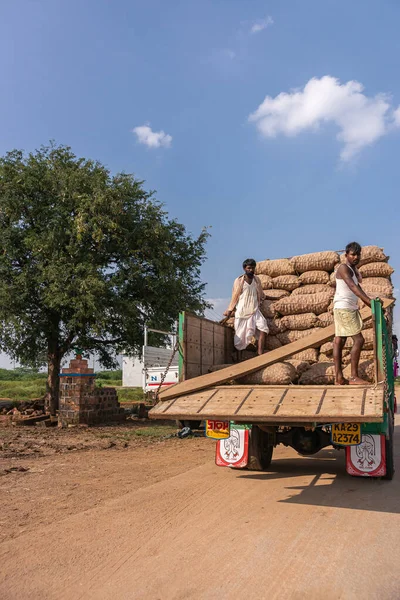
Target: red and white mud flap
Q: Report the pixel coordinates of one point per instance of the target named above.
(234, 451)
(368, 459)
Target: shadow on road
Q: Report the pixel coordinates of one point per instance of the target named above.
(331, 485)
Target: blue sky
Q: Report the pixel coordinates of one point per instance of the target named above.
(311, 170)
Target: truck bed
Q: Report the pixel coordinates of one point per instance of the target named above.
(277, 404)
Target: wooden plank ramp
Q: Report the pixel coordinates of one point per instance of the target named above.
(278, 404)
(238, 370)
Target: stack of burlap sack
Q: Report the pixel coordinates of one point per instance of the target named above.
(299, 298)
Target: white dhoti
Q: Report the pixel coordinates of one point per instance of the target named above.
(248, 327)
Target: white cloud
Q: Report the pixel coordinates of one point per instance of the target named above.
(361, 120)
(396, 115)
(261, 25)
(152, 139)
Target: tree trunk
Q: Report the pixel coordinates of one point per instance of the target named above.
(53, 380)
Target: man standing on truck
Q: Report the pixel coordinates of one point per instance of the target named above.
(348, 322)
(247, 296)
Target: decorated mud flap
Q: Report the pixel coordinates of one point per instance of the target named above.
(234, 450)
(367, 459)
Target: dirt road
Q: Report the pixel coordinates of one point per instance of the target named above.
(162, 522)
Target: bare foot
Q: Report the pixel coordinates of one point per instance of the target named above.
(358, 381)
(341, 381)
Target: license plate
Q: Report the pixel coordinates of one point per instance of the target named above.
(346, 434)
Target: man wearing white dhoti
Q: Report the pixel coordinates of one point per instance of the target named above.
(247, 296)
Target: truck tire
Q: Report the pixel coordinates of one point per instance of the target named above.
(389, 448)
(260, 449)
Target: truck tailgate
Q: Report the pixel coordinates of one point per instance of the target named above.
(278, 404)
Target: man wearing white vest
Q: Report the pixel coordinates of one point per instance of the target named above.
(348, 322)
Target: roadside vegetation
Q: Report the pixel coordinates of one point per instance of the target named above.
(26, 384)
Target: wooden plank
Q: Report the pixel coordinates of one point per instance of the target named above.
(278, 404)
(237, 370)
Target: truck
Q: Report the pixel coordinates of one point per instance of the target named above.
(249, 421)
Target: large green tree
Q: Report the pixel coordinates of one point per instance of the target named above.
(86, 259)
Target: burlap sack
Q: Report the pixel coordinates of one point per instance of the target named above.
(317, 261)
(300, 365)
(277, 374)
(365, 355)
(376, 269)
(369, 254)
(289, 336)
(319, 374)
(310, 277)
(266, 281)
(305, 303)
(272, 343)
(332, 279)
(267, 308)
(328, 356)
(368, 325)
(327, 348)
(314, 288)
(286, 282)
(310, 355)
(275, 294)
(366, 370)
(377, 286)
(275, 326)
(325, 319)
(368, 335)
(274, 268)
(304, 321)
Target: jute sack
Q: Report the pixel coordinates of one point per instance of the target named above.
(327, 357)
(272, 343)
(300, 365)
(325, 319)
(319, 374)
(314, 288)
(304, 321)
(310, 355)
(368, 335)
(289, 336)
(266, 281)
(277, 374)
(274, 268)
(327, 348)
(305, 303)
(317, 261)
(366, 370)
(376, 269)
(275, 294)
(286, 282)
(369, 254)
(332, 279)
(377, 286)
(267, 308)
(365, 355)
(275, 326)
(310, 277)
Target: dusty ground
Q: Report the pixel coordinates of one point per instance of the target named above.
(158, 520)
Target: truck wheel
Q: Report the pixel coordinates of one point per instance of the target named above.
(191, 424)
(389, 448)
(260, 449)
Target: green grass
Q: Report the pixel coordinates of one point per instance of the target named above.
(26, 384)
